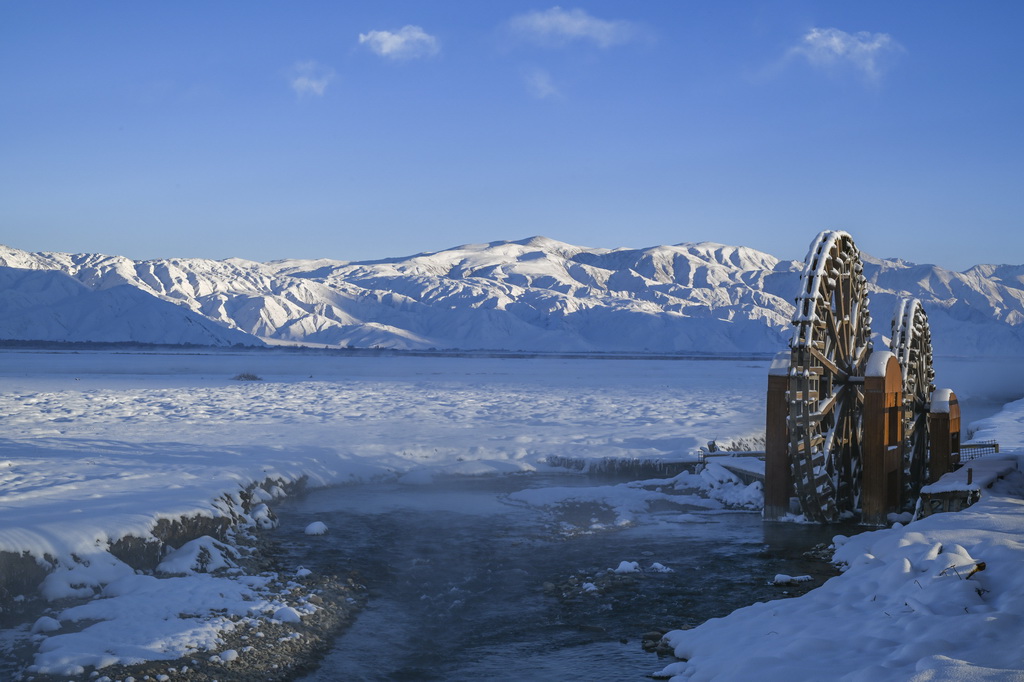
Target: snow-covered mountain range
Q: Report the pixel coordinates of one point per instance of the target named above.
(536, 294)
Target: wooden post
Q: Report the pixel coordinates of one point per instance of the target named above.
(882, 440)
(778, 483)
(943, 434)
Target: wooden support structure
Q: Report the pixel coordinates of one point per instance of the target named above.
(778, 483)
(944, 434)
(882, 445)
(961, 488)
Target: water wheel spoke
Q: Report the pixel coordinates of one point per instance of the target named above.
(850, 306)
(860, 361)
(826, 406)
(827, 364)
(839, 336)
(809, 443)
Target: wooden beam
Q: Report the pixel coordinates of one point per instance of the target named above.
(828, 364)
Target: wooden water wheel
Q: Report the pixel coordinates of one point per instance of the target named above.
(912, 345)
(829, 352)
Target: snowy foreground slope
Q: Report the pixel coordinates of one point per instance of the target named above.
(536, 294)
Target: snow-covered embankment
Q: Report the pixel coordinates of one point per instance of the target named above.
(939, 599)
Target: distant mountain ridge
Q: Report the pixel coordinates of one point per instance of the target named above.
(535, 294)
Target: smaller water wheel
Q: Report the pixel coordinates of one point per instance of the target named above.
(829, 352)
(912, 345)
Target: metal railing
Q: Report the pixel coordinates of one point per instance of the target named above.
(969, 451)
(703, 455)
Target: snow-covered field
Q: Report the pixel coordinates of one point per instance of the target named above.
(97, 446)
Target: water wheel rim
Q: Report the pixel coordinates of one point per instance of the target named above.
(829, 352)
(911, 344)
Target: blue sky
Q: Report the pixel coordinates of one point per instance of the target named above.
(366, 130)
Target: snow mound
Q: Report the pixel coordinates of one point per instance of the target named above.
(316, 528)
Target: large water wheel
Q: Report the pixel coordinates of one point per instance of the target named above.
(912, 345)
(829, 352)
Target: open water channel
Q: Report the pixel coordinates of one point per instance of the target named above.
(465, 585)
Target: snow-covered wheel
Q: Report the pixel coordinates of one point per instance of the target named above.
(829, 352)
(911, 343)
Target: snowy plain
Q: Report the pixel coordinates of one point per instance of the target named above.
(117, 438)
(99, 445)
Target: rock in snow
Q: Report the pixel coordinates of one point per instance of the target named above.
(46, 624)
(535, 294)
(286, 614)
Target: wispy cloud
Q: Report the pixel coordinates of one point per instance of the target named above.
(540, 85)
(557, 26)
(310, 78)
(408, 42)
(831, 47)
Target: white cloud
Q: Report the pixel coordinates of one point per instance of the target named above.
(408, 42)
(828, 47)
(310, 78)
(540, 85)
(557, 26)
